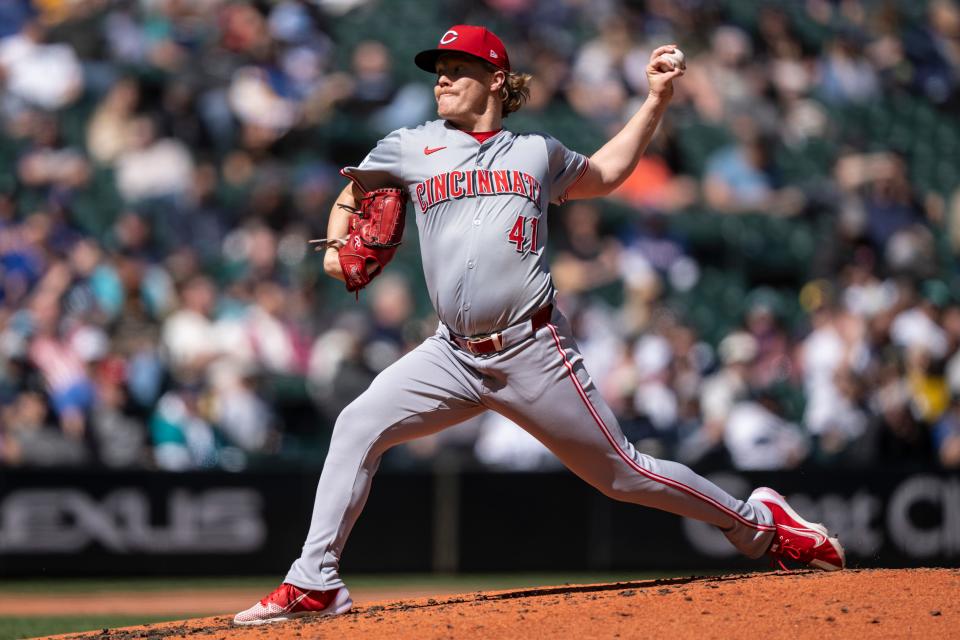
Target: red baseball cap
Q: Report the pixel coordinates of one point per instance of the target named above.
(478, 42)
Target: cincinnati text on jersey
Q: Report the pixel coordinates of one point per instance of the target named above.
(453, 185)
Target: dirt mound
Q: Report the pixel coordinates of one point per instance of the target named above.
(918, 603)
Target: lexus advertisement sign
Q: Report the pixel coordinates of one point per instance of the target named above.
(93, 523)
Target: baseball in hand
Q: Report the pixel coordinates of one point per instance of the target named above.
(676, 58)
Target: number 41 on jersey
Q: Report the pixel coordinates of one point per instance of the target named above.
(518, 233)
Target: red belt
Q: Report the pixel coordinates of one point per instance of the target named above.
(494, 342)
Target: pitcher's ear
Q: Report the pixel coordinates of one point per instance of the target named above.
(499, 80)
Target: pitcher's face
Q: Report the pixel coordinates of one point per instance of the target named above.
(464, 86)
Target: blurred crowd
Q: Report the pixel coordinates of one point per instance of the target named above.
(165, 163)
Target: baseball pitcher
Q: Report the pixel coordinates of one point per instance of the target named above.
(480, 195)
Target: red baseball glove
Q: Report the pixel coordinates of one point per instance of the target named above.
(376, 229)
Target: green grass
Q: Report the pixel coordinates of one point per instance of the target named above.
(88, 585)
(25, 627)
(11, 628)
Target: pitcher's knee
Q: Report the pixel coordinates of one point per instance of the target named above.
(357, 427)
(618, 494)
(633, 489)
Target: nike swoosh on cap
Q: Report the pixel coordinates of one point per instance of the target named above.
(427, 150)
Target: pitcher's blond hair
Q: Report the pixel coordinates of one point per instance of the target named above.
(515, 91)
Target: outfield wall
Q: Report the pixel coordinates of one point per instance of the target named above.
(103, 523)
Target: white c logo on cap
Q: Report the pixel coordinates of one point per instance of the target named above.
(449, 37)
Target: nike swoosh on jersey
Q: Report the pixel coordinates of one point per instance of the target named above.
(427, 150)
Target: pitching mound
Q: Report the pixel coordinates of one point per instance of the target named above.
(919, 603)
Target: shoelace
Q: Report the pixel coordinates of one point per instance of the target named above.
(788, 549)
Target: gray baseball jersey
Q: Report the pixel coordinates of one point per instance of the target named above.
(481, 216)
(480, 210)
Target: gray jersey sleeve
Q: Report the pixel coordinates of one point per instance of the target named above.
(566, 168)
(382, 167)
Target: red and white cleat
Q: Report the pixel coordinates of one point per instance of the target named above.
(288, 602)
(797, 539)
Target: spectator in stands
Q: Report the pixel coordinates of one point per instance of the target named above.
(721, 81)
(55, 352)
(552, 72)
(273, 338)
(252, 248)
(47, 164)
(264, 111)
(38, 73)
(339, 370)
(650, 239)
(845, 75)
(23, 257)
(773, 362)
(599, 334)
(585, 258)
(916, 328)
(178, 117)
(606, 72)
(504, 446)
(720, 393)
(96, 292)
(903, 437)
(894, 219)
(654, 185)
(691, 358)
(111, 124)
(742, 177)
(654, 399)
(183, 437)
(305, 51)
(833, 359)
(147, 297)
(790, 74)
(152, 167)
(758, 439)
(934, 51)
(375, 94)
(391, 308)
(243, 417)
(13, 17)
(163, 146)
(946, 436)
(31, 440)
(189, 339)
(927, 383)
(120, 439)
(863, 293)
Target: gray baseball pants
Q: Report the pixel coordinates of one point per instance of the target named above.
(540, 383)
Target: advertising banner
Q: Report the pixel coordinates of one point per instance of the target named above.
(106, 523)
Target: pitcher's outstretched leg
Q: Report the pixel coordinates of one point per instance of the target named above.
(422, 393)
(570, 417)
